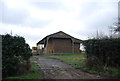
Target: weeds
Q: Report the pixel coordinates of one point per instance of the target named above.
(80, 61)
(34, 73)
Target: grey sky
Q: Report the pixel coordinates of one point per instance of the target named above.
(34, 19)
(49, 5)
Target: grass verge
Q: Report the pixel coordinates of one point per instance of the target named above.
(33, 74)
(76, 60)
(79, 61)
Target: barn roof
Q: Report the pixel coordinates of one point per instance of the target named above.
(59, 34)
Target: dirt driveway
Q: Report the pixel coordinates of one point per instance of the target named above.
(57, 69)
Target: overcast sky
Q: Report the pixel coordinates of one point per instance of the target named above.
(34, 19)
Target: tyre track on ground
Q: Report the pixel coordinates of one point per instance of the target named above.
(57, 69)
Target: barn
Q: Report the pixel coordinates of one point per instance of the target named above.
(59, 43)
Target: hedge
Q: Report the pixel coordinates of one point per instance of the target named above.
(15, 55)
(106, 51)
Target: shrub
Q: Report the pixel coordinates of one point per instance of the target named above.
(15, 53)
(107, 51)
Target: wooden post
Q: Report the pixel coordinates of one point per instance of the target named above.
(0, 57)
(43, 50)
(72, 46)
(47, 45)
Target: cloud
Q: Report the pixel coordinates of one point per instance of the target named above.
(12, 15)
(16, 15)
(34, 22)
(48, 5)
(34, 19)
(97, 16)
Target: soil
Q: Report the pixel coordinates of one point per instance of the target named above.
(57, 69)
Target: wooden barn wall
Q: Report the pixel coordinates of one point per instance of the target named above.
(76, 48)
(50, 46)
(60, 46)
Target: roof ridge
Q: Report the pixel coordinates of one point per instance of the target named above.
(57, 35)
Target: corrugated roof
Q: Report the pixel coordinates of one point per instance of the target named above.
(59, 34)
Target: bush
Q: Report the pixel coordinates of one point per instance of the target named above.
(104, 51)
(15, 53)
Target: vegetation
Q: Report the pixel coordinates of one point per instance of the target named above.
(117, 26)
(80, 61)
(73, 59)
(115, 29)
(15, 55)
(103, 55)
(34, 74)
(104, 52)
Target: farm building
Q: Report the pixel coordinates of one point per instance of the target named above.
(59, 43)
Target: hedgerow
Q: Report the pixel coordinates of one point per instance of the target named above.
(105, 52)
(15, 55)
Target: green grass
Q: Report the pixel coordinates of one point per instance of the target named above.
(72, 57)
(108, 71)
(34, 74)
(78, 61)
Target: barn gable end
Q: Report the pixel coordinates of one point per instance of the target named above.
(60, 43)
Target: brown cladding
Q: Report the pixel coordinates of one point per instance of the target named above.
(76, 47)
(60, 43)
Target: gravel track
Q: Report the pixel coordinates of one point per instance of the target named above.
(57, 69)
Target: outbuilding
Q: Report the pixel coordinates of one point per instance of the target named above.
(59, 43)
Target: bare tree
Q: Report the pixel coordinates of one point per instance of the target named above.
(115, 28)
(98, 35)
